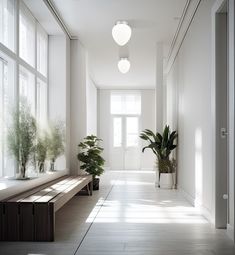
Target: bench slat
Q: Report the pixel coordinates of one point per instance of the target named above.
(11, 219)
(1, 222)
(23, 195)
(43, 192)
(26, 222)
(44, 222)
(64, 197)
(54, 192)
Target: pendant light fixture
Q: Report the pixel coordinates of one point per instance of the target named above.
(124, 65)
(121, 33)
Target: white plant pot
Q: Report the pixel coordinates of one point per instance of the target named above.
(166, 181)
(157, 176)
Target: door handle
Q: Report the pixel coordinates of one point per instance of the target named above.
(223, 133)
(225, 196)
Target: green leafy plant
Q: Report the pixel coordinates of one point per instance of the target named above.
(55, 143)
(21, 137)
(42, 149)
(162, 145)
(90, 156)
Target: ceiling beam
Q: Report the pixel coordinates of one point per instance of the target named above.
(58, 18)
(186, 19)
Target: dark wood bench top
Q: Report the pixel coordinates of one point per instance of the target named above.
(51, 192)
(30, 216)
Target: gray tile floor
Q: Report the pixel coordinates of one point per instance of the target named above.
(128, 216)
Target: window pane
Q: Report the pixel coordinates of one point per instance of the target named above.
(132, 131)
(41, 50)
(7, 21)
(27, 87)
(41, 103)
(27, 35)
(126, 103)
(116, 104)
(117, 132)
(7, 97)
(133, 104)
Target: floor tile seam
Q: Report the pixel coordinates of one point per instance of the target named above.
(110, 190)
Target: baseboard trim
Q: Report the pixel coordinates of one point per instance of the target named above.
(203, 210)
(230, 231)
(186, 195)
(146, 169)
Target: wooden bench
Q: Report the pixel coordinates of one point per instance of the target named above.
(30, 216)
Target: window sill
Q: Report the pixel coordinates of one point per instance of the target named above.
(10, 188)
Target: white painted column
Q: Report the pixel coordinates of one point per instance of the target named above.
(78, 107)
(159, 87)
(58, 89)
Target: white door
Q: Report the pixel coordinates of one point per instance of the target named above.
(125, 146)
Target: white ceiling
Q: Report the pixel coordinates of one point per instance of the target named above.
(152, 21)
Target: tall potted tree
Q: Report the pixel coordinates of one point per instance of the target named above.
(90, 157)
(162, 145)
(22, 137)
(42, 149)
(55, 143)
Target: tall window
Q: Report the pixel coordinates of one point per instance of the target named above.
(7, 96)
(7, 23)
(41, 50)
(27, 35)
(125, 103)
(31, 61)
(27, 87)
(41, 103)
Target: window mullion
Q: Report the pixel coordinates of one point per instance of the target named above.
(16, 78)
(36, 68)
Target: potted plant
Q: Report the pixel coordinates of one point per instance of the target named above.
(41, 150)
(55, 143)
(90, 157)
(21, 137)
(162, 145)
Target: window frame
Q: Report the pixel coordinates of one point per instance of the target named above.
(123, 94)
(18, 61)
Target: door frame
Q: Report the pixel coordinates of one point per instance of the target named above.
(218, 218)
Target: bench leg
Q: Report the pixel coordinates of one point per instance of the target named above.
(90, 187)
(86, 190)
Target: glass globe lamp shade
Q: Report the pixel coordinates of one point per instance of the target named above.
(121, 33)
(124, 65)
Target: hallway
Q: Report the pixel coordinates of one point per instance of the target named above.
(128, 216)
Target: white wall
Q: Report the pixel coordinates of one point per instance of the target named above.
(147, 121)
(57, 77)
(189, 94)
(91, 95)
(67, 153)
(83, 102)
(78, 102)
(59, 86)
(104, 122)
